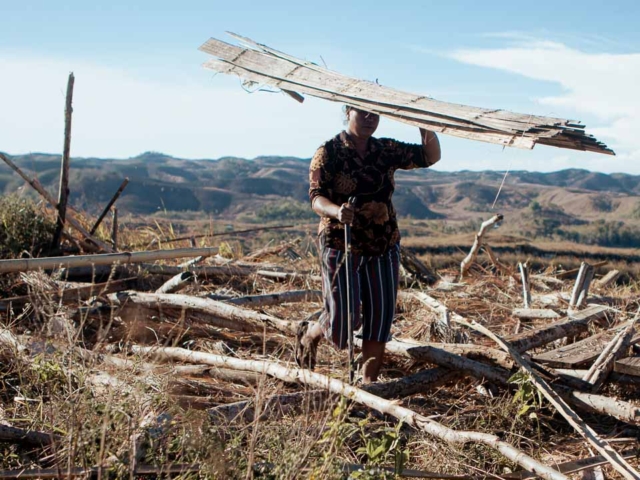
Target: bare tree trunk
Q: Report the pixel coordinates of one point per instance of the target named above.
(63, 192)
(473, 253)
(114, 229)
(526, 290)
(317, 380)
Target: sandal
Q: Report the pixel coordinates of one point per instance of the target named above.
(305, 354)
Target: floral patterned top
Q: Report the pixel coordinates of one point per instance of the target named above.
(337, 172)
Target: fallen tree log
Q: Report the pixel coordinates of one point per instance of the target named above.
(294, 296)
(205, 309)
(177, 282)
(615, 350)
(575, 323)
(317, 380)
(616, 461)
(27, 264)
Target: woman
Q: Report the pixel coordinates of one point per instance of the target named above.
(355, 164)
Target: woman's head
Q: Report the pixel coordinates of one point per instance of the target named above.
(361, 123)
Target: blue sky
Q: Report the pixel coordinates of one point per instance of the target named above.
(140, 85)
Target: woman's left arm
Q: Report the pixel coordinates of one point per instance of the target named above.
(430, 146)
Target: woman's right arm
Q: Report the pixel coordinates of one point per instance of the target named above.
(326, 208)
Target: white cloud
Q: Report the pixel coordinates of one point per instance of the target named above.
(601, 85)
(119, 114)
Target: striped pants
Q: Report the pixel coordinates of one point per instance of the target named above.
(375, 288)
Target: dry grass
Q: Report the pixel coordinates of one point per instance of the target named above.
(99, 412)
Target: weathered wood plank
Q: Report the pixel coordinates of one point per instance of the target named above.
(580, 353)
(629, 366)
(534, 313)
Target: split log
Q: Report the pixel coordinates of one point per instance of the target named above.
(177, 283)
(215, 313)
(333, 385)
(294, 296)
(614, 458)
(27, 264)
(428, 352)
(534, 313)
(581, 288)
(608, 279)
(629, 366)
(63, 191)
(69, 217)
(570, 273)
(575, 323)
(473, 253)
(113, 200)
(615, 350)
(615, 376)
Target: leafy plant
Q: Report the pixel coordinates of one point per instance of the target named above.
(24, 227)
(527, 394)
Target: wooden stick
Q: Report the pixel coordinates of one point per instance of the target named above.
(619, 463)
(573, 271)
(63, 192)
(28, 264)
(113, 200)
(616, 349)
(535, 313)
(37, 186)
(317, 380)
(581, 288)
(114, 229)
(93, 472)
(477, 243)
(497, 263)
(526, 291)
(177, 283)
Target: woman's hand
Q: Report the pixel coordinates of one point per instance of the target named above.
(346, 214)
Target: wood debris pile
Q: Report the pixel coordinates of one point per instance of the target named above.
(214, 330)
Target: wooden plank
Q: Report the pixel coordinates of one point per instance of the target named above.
(292, 74)
(534, 313)
(580, 353)
(629, 366)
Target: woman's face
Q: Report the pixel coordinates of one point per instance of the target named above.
(361, 123)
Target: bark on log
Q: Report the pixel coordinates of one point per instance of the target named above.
(473, 253)
(575, 323)
(317, 380)
(616, 461)
(294, 296)
(177, 283)
(27, 264)
(615, 350)
(19, 435)
(216, 313)
(70, 218)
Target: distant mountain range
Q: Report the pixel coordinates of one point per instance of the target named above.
(228, 187)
